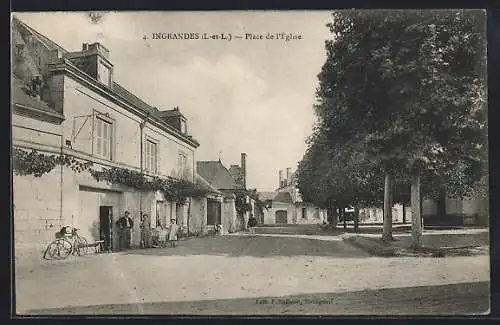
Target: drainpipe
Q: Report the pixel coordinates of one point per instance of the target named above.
(61, 186)
(141, 126)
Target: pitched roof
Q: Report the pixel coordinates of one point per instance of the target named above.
(283, 197)
(117, 88)
(206, 185)
(20, 95)
(168, 113)
(216, 174)
(48, 43)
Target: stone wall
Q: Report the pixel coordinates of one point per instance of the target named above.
(36, 212)
(270, 214)
(198, 218)
(313, 215)
(228, 217)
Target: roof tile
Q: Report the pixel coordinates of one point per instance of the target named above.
(216, 174)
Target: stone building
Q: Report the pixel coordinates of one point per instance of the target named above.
(70, 103)
(285, 204)
(228, 181)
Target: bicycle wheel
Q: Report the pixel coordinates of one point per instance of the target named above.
(58, 249)
(81, 245)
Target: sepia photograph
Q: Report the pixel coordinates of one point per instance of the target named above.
(251, 163)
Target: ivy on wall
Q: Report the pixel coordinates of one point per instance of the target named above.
(242, 206)
(37, 164)
(177, 190)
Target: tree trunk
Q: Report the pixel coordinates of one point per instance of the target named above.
(416, 221)
(404, 213)
(356, 219)
(188, 216)
(344, 217)
(421, 214)
(441, 206)
(387, 232)
(334, 216)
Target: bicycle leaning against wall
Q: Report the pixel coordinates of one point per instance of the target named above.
(67, 242)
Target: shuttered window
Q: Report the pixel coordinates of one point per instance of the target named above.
(103, 138)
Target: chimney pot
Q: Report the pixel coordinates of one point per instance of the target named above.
(244, 169)
(288, 176)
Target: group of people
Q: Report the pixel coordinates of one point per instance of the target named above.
(160, 236)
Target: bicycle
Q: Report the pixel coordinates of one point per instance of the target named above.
(65, 245)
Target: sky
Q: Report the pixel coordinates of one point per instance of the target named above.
(252, 96)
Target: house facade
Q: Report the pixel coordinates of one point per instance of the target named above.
(456, 212)
(69, 103)
(285, 204)
(229, 182)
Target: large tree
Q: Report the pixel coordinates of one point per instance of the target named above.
(408, 88)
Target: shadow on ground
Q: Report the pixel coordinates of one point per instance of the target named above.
(455, 299)
(327, 231)
(433, 245)
(258, 246)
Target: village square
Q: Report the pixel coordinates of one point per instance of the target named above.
(127, 205)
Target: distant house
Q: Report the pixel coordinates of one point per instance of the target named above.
(285, 204)
(228, 182)
(457, 212)
(279, 208)
(206, 212)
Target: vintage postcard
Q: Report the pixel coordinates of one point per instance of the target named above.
(268, 163)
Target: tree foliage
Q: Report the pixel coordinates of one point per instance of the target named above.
(401, 92)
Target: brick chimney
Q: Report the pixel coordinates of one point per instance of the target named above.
(94, 60)
(244, 169)
(281, 178)
(288, 176)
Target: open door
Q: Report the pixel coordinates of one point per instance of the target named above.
(106, 226)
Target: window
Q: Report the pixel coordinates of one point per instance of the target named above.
(150, 156)
(181, 165)
(103, 138)
(269, 203)
(161, 213)
(103, 74)
(304, 213)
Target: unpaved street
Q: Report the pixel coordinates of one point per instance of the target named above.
(199, 275)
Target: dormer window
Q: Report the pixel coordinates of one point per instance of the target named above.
(104, 74)
(183, 126)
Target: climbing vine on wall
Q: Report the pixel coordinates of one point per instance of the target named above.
(37, 164)
(242, 206)
(177, 190)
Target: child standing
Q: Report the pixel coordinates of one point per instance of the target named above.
(172, 234)
(252, 222)
(163, 234)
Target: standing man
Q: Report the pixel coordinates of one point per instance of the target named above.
(125, 225)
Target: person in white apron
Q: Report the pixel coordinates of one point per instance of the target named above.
(172, 233)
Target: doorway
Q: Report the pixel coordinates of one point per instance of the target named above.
(281, 216)
(214, 215)
(106, 226)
